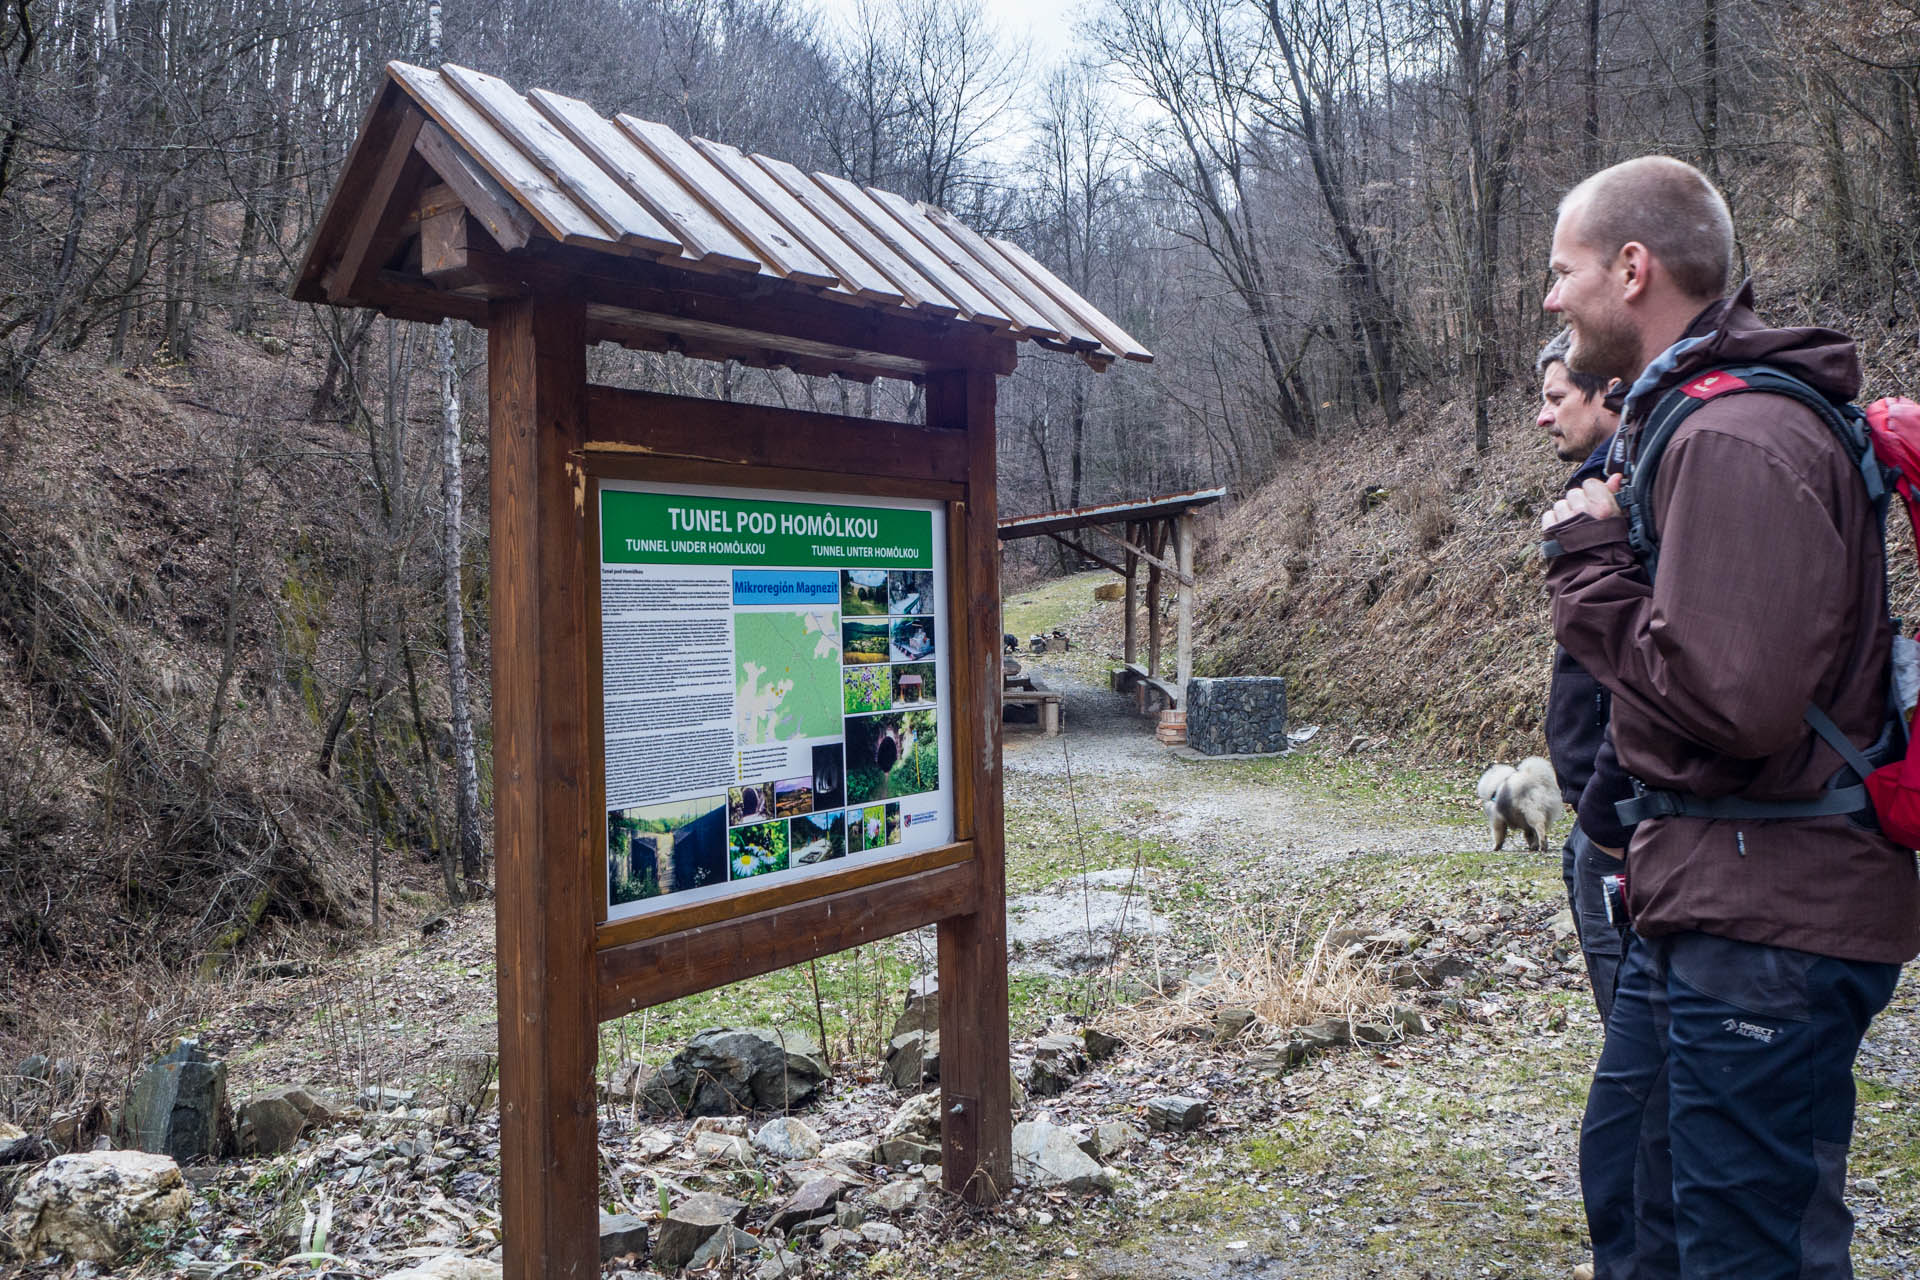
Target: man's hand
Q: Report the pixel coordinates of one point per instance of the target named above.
(1591, 499)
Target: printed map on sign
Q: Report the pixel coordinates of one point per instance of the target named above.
(787, 672)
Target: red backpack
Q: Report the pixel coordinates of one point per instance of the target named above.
(1881, 783)
(1893, 427)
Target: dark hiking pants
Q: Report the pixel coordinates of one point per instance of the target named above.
(1715, 1139)
(1582, 866)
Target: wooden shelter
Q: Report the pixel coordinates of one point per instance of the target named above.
(1157, 532)
(555, 228)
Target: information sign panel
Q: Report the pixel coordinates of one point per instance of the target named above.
(775, 680)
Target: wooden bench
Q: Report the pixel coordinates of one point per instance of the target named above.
(1046, 701)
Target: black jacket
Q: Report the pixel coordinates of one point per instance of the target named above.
(1578, 708)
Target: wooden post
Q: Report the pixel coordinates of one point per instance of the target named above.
(976, 1105)
(544, 837)
(1132, 642)
(1183, 637)
(1152, 543)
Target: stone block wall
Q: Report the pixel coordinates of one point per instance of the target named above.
(1237, 715)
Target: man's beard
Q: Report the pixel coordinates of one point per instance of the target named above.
(1606, 345)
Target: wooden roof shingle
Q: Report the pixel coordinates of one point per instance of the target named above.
(541, 169)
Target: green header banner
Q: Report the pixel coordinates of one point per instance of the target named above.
(676, 528)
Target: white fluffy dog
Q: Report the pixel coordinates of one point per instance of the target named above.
(1527, 798)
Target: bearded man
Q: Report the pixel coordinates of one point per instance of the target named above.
(1717, 1127)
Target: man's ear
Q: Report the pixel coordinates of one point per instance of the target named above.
(1632, 266)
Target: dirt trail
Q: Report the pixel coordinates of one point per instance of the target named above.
(1446, 1155)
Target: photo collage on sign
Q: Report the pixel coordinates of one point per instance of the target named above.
(849, 803)
(893, 748)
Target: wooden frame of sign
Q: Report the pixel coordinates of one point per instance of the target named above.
(555, 229)
(562, 969)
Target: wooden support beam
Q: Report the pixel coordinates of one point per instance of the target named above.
(680, 964)
(545, 838)
(1130, 651)
(726, 316)
(647, 424)
(976, 1106)
(1153, 617)
(377, 229)
(1071, 545)
(1183, 635)
(1150, 557)
(510, 225)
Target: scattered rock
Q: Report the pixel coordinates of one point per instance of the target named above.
(849, 1216)
(918, 1118)
(435, 924)
(1100, 1045)
(1411, 1021)
(1564, 929)
(621, 1234)
(884, 1234)
(1046, 1155)
(727, 1069)
(724, 1246)
(1513, 965)
(1326, 1033)
(788, 1138)
(450, 1266)
(1110, 1138)
(384, 1097)
(818, 1197)
(922, 1012)
(1229, 1023)
(274, 346)
(897, 1197)
(628, 1080)
(1057, 1062)
(17, 1146)
(1373, 1032)
(93, 1206)
(913, 1059)
(696, 1220)
(1175, 1114)
(851, 1149)
(782, 1263)
(900, 1151)
(178, 1107)
(724, 1148)
(268, 1126)
(80, 1128)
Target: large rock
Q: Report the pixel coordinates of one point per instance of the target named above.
(913, 1059)
(268, 1126)
(1047, 1155)
(1057, 1062)
(922, 1012)
(1176, 1114)
(788, 1138)
(178, 1107)
(449, 1266)
(621, 1234)
(92, 1206)
(817, 1198)
(693, 1222)
(917, 1118)
(727, 1069)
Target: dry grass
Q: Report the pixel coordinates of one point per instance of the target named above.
(1267, 966)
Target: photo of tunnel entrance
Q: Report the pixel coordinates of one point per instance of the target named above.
(895, 754)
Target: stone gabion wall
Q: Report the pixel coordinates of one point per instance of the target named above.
(1237, 715)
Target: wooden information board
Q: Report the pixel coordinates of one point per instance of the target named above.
(665, 803)
(590, 929)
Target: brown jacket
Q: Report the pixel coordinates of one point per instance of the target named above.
(1768, 597)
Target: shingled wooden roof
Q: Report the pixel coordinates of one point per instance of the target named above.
(461, 189)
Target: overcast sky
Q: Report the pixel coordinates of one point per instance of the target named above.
(1048, 25)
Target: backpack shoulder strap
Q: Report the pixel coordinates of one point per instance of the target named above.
(1642, 465)
(1641, 468)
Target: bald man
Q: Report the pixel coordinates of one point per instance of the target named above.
(1764, 939)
